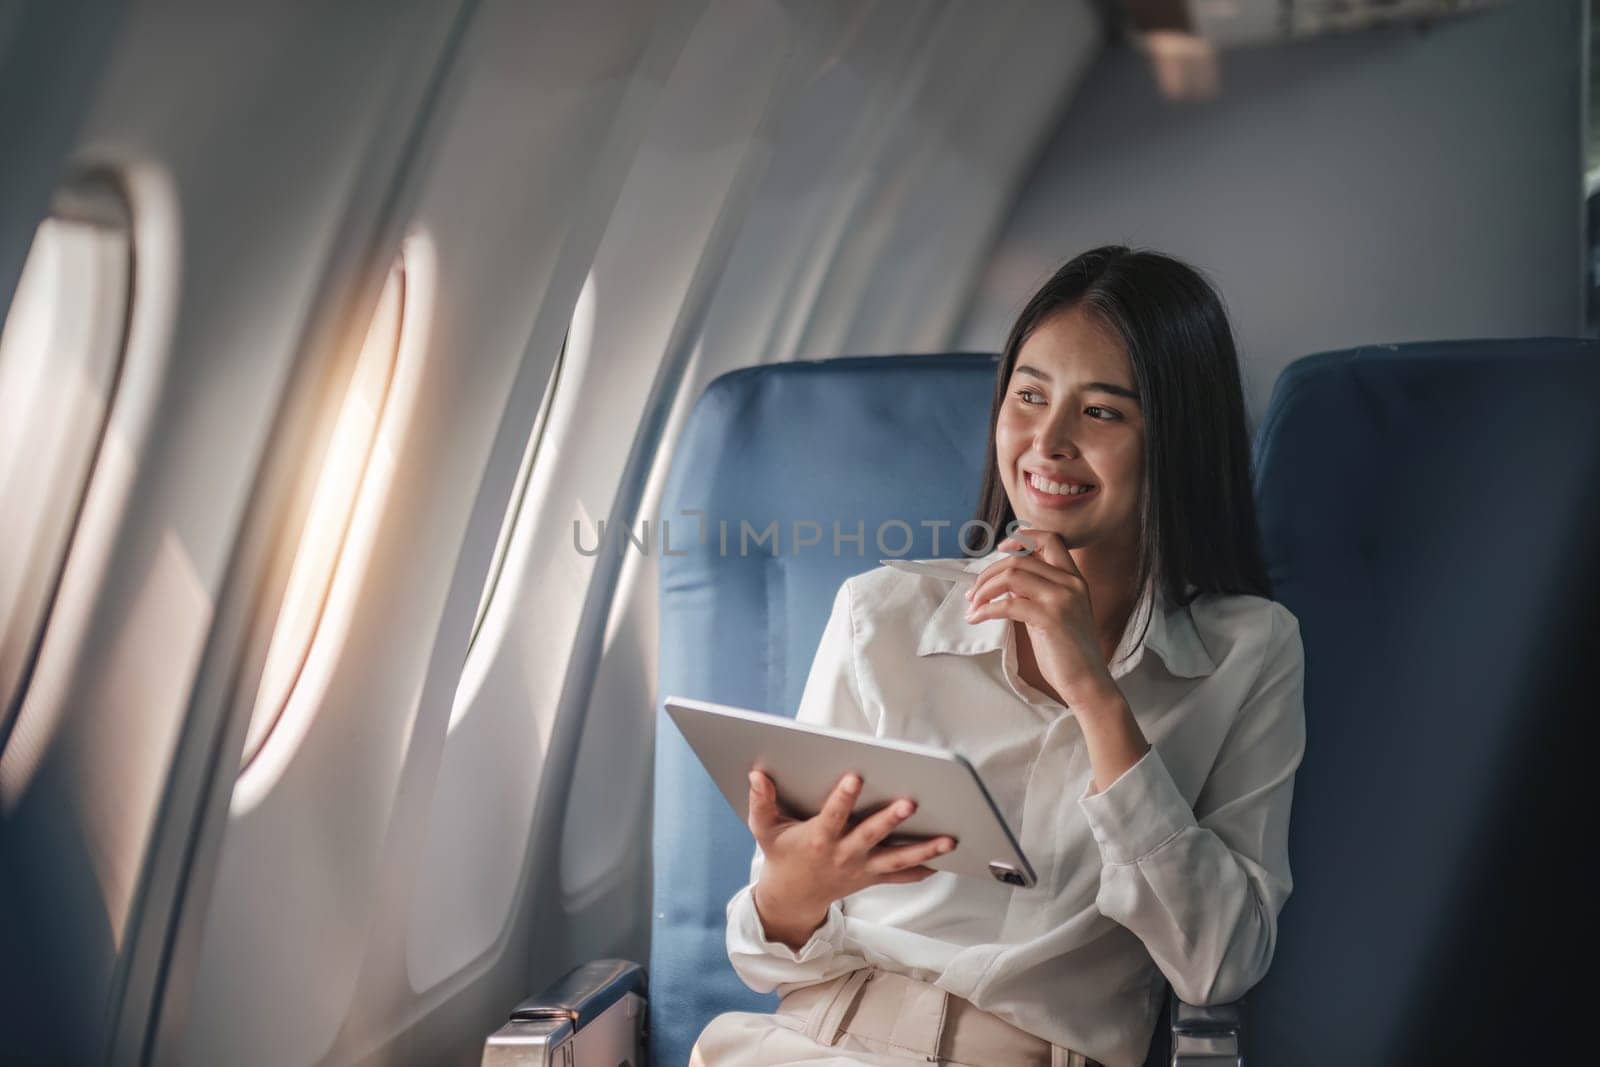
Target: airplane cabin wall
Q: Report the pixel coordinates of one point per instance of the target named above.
(1391, 185)
(550, 107)
(245, 219)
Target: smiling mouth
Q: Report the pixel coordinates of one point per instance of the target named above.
(1062, 489)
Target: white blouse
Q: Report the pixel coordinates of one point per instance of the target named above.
(1174, 873)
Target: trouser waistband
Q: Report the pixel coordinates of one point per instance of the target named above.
(921, 1019)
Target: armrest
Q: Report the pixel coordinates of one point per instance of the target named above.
(1205, 1036)
(593, 1014)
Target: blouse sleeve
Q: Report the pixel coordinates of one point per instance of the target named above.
(832, 697)
(1202, 888)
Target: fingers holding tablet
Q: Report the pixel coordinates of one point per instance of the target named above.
(871, 838)
(872, 830)
(903, 859)
(813, 826)
(765, 819)
(834, 817)
(809, 863)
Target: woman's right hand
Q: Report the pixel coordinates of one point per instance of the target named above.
(808, 864)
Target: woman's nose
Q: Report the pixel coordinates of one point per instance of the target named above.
(1055, 441)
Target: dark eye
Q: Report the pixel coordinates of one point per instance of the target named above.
(1109, 414)
(1026, 393)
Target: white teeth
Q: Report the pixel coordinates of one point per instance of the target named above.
(1057, 488)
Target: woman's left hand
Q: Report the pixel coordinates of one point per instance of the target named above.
(1050, 596)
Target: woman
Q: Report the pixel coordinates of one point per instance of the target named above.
(1121, 679)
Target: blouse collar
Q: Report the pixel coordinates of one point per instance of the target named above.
(1171, 634)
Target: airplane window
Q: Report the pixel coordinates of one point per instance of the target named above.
(525, 468)
(485, 631)
(333, 504)
(60, 359)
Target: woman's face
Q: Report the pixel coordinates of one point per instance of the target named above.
(1071, 418)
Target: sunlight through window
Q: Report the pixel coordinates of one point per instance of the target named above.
(60, 358)
(332, 505)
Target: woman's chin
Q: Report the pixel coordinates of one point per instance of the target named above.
(1070, 531)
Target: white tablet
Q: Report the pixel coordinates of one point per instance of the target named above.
(805, 762)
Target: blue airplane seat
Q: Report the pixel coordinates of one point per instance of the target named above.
(1430, 514)
(865, 440)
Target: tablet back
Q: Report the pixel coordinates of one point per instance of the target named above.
(807, 761)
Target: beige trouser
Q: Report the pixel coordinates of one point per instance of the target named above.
(876, 1017)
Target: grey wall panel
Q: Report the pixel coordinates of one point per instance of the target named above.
(323, 867)
(682, 196)
(990, 81)
(1387, 186)
(256, 173)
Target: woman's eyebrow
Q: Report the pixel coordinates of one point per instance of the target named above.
(1113, 389)
(1105, 387)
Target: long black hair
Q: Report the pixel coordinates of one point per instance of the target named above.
(1197, 509)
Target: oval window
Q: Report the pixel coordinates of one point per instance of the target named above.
(333, 503)
(61, 353)
(488, 623)
(518, 493)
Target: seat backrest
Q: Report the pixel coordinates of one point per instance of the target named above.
(865, 440)
(1431, 513)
